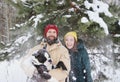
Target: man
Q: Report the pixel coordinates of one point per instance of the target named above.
(56, 50)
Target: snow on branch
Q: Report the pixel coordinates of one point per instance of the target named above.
(98, 7)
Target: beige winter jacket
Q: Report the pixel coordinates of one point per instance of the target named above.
(57, 52)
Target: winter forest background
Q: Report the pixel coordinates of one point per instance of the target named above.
(97, 22)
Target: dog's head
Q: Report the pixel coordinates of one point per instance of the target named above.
(42, 56)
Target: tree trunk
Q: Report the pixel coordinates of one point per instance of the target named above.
(6, 18)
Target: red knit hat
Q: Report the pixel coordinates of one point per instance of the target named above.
(50, 26)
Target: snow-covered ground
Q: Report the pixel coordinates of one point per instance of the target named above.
(11, 72)
(103, 70)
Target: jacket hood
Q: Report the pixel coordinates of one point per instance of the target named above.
(80, 44)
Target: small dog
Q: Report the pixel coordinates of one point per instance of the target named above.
(43, 63)
(43, 57)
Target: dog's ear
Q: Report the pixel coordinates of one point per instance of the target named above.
(61, 65)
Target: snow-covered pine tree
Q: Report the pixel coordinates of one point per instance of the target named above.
(67, 14)
(78, 15)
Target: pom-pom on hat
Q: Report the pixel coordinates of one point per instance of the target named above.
(50, 26)
(71, 33)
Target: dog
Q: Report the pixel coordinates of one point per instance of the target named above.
(43, 63)
(43, 57)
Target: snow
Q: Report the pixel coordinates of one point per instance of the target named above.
(36, 19)
(11, 72)
(67, 16)
(14, 1)
(19, 41)
(98, 7)
(103, 65)
(22, 39)
(119, 22)
(116, 77)
(84, 20)
(71, 10)
(23, 0)
(94, 16)
(117, 35)
(61, 2)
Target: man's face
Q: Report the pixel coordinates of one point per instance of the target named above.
(51, 34)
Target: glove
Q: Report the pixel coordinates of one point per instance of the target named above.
(46, 76)
(42, 70)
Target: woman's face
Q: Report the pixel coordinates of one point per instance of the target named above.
(69, 42)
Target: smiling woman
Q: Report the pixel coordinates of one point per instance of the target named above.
(80, 64)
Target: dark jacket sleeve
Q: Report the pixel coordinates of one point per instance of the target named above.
(85, 61)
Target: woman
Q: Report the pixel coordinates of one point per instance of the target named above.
(80, 64)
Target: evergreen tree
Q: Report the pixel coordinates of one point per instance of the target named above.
(67, 14)
(73, 15)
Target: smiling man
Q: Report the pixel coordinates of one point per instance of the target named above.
(57, 51)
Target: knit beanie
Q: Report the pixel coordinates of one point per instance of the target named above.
(50, 26)
(72, 33)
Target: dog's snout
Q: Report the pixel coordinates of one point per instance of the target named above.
(50, 60)
(35, 54)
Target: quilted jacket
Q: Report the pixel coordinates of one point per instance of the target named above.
(80, 64)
